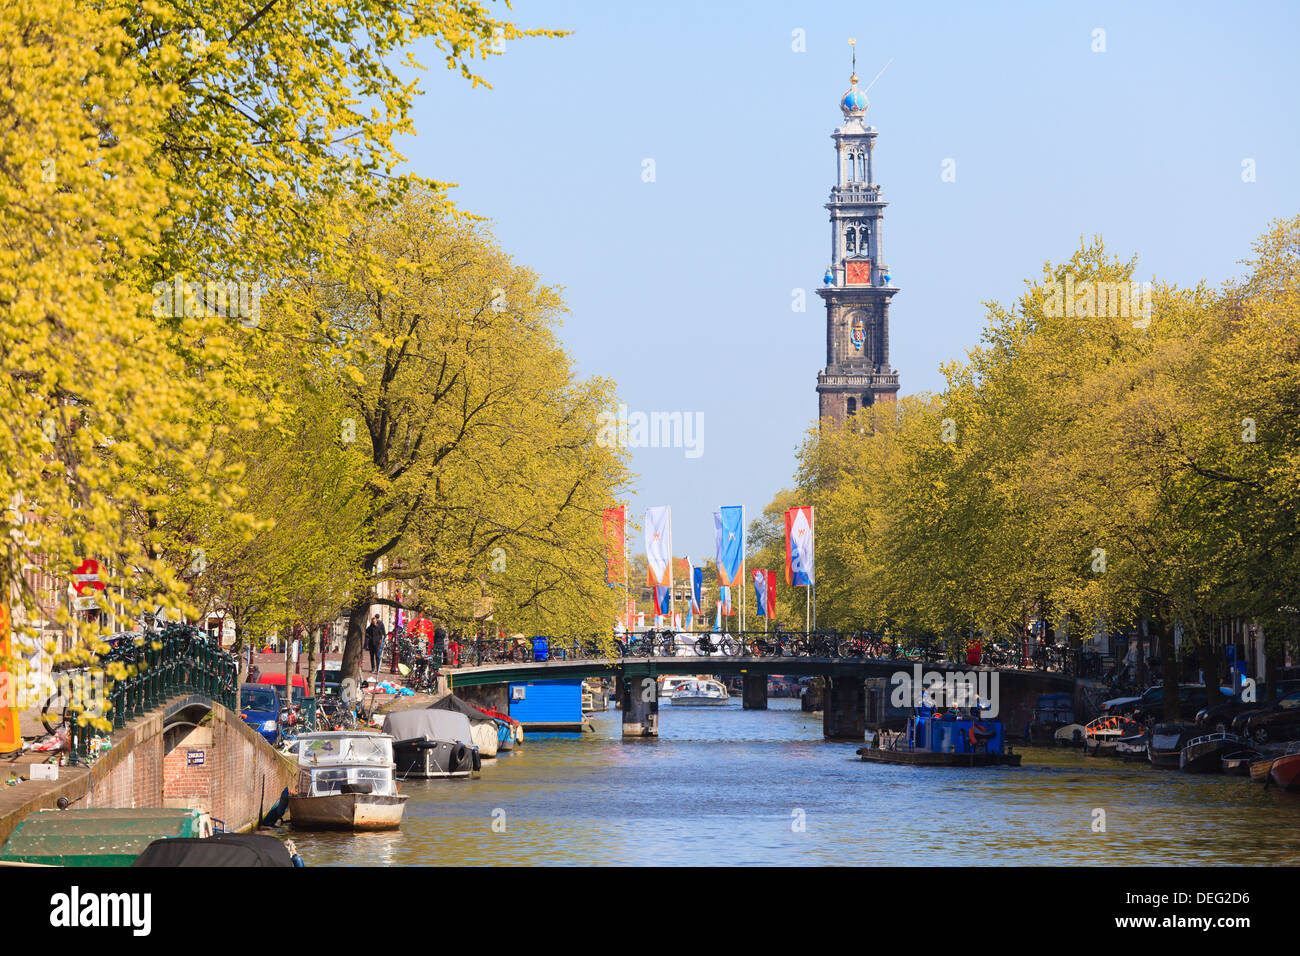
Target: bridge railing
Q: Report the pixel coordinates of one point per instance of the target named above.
(840, 645)
(137, 673)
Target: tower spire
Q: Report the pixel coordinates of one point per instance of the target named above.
(853, 73)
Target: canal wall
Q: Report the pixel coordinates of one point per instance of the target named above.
(189, 752)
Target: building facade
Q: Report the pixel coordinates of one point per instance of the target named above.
(856, 287)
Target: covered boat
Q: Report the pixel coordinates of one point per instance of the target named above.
(223, 849)
(484, 730)
(346, 782)
(433, 742)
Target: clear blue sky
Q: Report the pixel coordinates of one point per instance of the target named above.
(680, 289)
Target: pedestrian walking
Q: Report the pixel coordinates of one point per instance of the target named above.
(374, 642)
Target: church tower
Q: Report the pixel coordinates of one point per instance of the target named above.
(856, 286)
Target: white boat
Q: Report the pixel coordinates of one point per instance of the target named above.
(346, 782)
(700, 693)
(669, 683)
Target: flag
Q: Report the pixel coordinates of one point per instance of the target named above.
(661, 599)
(725, 594)
(697, 588)
(615, 546)
(731, 531)
(659, 546)
(717, 544)
(717, 618)
(799, 547)
(690, 617)
(764, 593)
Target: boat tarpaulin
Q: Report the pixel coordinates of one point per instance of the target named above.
(224, 849)
(454, 704)
(429, 724)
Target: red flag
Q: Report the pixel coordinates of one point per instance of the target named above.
(615, 549)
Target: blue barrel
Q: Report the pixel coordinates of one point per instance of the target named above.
(539, 649)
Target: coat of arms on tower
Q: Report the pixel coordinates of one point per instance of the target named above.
(858, 333)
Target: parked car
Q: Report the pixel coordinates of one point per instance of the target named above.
(1219, 717)
(1277, 721)
(259, 706)
(329, 679)
(1151, 705)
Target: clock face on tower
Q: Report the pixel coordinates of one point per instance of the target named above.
(857, 271)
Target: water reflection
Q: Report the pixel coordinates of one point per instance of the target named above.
(723, 786)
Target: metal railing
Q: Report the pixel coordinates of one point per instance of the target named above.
(821, 645)
(155, 666)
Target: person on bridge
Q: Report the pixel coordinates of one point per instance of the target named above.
(374, 642)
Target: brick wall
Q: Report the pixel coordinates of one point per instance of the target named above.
(241, 775)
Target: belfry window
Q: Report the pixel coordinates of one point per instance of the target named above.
(862, 167)
(864, 239)
(853, 406)
(849, 167)
(850, 241)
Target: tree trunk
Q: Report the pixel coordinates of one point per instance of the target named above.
(1168, 665)
(1140, 663)
(351, 666)
(1211, 660)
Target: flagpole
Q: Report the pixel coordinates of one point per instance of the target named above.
(743, 583)
(812, 515)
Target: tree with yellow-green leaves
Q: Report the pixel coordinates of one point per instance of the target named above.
(164, 168)
(1128, 456)
(484, 484)
(91, 389)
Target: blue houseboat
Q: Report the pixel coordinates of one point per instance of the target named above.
(954, 738)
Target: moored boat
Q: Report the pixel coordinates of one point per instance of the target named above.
(484, 732)
(1285, 772)
(433, 743)
(944, 740)
(1102, 735)
(346, 782)
(1071, 735)
(1260, 768)
(1204, 754)
(1132, 747)
(1238, 762)
(1166, 743)
(1051, 713)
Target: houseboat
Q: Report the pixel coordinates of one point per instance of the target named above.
(346, 781)
(951, 739)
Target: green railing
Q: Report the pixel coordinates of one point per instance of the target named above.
(175, 660)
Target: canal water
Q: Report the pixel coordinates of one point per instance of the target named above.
(725, 786)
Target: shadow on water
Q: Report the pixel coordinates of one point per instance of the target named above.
(724, 786)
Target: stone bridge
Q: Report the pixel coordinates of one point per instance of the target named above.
(189, 751)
